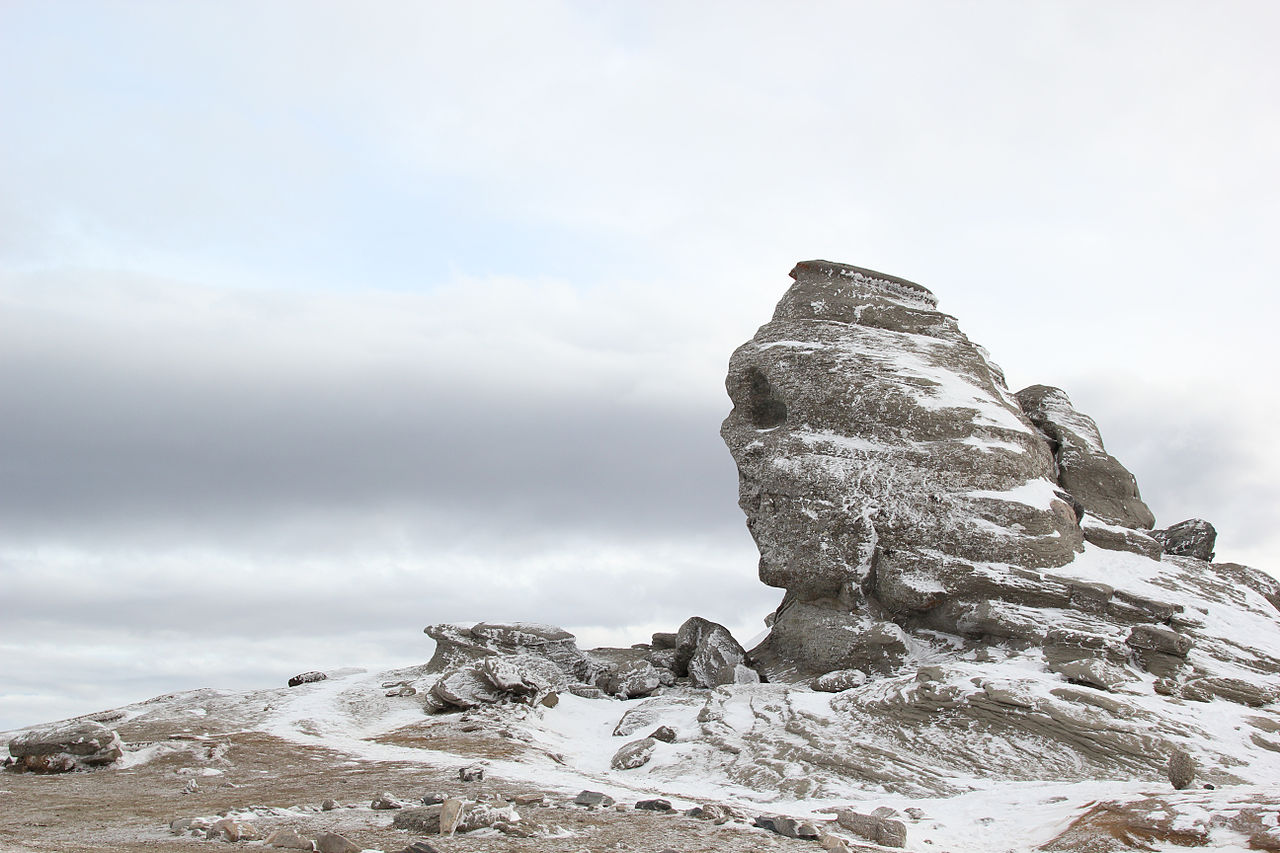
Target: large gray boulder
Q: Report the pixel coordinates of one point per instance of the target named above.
(880, 456)
(709, 655)
(75, 745)
(1095, 478)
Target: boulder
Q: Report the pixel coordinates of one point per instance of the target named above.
(332, 842)
(839, 680)
(634, 754)
(632, 680)
(386, 801)
(1194, 537)
(592, 799)
(709, 655)
(1096, 479)
(482, 815)
(288, 839)
(307, 678)
(498, 662)
(75, 745)
(235, 831)
(1182, 769)
(424, 820)
(874, 828)
(666, 734)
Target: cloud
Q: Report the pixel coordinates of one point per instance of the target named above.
(304, 297)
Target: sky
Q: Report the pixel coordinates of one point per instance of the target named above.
(322, 322)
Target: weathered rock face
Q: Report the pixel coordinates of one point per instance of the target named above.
(1097, 480)
(882, 465)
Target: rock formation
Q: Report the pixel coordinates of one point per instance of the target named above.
(75, 745)
(885, 469)
(497, 663)
(916, 511)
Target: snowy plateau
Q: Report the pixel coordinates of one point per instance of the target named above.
(985, 643)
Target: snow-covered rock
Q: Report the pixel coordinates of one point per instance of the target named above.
(1194, 537)
(883, 464)
(74, 745)
(1095, 478)
(709, 655)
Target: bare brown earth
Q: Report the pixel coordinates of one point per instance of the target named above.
(124, 810)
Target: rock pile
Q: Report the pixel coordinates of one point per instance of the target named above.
(499, 663)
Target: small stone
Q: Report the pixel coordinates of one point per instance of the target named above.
(385, 802)
(517, 829)
(450, 815)
(550, 700)
(402, 691)
(471, 774)
(530, 799)
(331, 842)
(289, 840)
(592, 799)
(654, 805)
(666, 734)
(328, 805)
(191, 787)
(420, 847)
(433, 799)
(307, 678)
(833, 843)
(233, 830)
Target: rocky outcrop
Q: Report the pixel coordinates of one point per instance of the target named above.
(881, 462)
(1194, 537)
(76, 745)
(1094, 478)
(497, 663)
(913, 509)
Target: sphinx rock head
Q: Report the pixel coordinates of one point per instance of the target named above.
(882, 462)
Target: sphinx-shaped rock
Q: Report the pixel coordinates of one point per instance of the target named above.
(1096, 479)
(884, 468)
